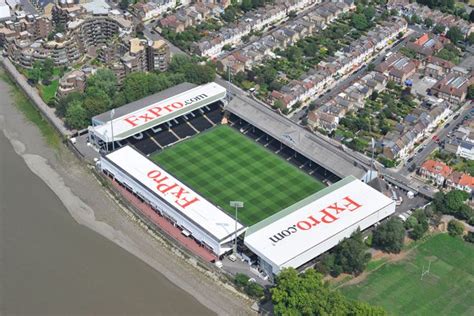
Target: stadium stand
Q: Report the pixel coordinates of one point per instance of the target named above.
(295, 143)
(166, 134)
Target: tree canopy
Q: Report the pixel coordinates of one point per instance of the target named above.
(103, 93)
(389, 235)
(76, 115)
(105, 80)
(308, 294)
(453, 203)
(455, 228)
(455, 34)
(349, 256)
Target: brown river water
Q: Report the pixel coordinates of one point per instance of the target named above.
(50, 265)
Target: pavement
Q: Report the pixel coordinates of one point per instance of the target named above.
(442, 132)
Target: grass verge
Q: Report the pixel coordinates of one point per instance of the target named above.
(48, 92)
(31, 113)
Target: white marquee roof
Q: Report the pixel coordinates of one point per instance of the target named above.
(159, 112)
(193, 206)
(302, 232)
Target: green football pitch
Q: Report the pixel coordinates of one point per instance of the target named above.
(446, 290)
(224, 165)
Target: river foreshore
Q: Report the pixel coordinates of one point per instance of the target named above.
(91, 205)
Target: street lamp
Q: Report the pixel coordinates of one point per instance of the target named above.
(237, 205)
(112, 113)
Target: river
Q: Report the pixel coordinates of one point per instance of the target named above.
(50, 265)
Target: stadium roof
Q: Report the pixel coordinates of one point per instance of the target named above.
(146, 113)
(300, 228)
(313, 147)
(140, 104)
(191, 205)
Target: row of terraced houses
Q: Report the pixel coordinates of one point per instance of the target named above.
(345, 61)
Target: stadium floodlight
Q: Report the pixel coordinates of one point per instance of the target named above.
(112, 113)
(237, 205)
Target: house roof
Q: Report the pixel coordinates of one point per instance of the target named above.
(437, 167)
(466, 180)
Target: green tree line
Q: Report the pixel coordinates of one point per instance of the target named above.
(103, 92)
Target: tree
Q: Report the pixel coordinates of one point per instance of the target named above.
(391, 85)
(428, 22)
(470, 90)
(241, 280)
(254, 289)
(455, 228)
(63, 103)
(226, 47)
(307, 294)
(278, 104)
(415, 19)
(455, 34)
(370, 67)
(417, 232)
(123, 4)
(105, 80)
(178, 62)
(389, 235)
(455, 199)
(229, 14)
(76, 115)
(374, 95)
(438, 29)
(421, 226)
(246, 5)
(96, 102)
(369, 12)
(359, 21)
(135, 86)
(47, 69)
(350, 254)
(34, 74)
(199, 74)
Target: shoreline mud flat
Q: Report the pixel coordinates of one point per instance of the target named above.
(90, 205)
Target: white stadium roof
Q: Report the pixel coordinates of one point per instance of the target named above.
(159, 112)
(301, 232)
(193, 206)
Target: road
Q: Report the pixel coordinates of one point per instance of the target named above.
(343, 84)
(442, 133)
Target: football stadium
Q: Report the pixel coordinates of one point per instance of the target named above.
(186, 154)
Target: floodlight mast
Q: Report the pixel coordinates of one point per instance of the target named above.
(237, 205)
(112, 114)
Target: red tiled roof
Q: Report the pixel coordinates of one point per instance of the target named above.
(466, 180)
(422, 39)
(437, 167)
